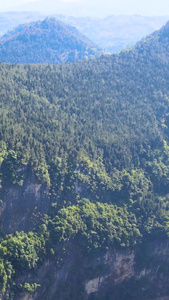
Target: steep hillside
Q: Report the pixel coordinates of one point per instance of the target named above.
(47, 41)
(85, 176)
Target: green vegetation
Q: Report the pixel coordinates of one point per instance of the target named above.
(47, 41)
(95, 133)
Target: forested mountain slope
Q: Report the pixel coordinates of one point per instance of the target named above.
(88, 142)
(47, 41)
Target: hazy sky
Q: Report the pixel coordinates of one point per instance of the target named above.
(90, 7)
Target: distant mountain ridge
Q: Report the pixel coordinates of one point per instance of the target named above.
(112, 33)
(47, 41)
(11, 19)
(115, 33)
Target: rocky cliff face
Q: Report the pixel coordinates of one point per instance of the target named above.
(129, 274)
(22, 205)
(116, 274)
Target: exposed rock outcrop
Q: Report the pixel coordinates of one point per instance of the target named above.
(127, 274)
(23, 204)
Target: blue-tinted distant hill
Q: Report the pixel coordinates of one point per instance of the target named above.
(47, 41)
(115, 33)
(11, 19)
(112, 33)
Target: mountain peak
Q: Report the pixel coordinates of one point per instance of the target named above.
(47, 41)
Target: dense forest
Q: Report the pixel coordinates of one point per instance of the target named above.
(95, 134)
(47, 41)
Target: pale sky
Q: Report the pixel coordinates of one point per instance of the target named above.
(89, 7)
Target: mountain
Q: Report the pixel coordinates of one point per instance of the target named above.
(112, 33)
(47, 41)
(84, 154)
(115, 33)
(11, 19)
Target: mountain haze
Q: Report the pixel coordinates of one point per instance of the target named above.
(47, 41)
(11, 19)
(84, 157)
(115, 33)
(112, 33)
